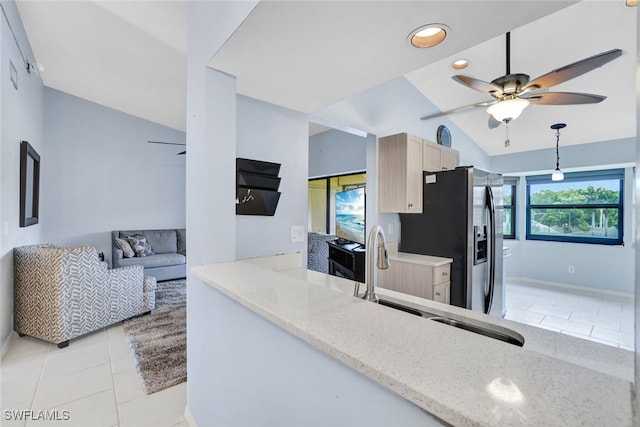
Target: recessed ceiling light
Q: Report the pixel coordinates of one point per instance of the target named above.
(460, 64)
(632, 3)
(428, 35)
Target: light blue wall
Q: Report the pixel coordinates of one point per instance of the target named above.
(594, 154)
(274, 134)
(335, 153)
(21, 118)
(101, 174)
(394, 107)
(600, 267)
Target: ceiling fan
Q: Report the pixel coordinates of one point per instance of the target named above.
(169, 143)
(512, 93)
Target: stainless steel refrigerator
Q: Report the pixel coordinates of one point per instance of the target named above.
(462, 219)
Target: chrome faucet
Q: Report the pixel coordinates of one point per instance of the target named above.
(382, 261)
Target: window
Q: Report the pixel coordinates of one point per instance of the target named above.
(586, 207)
(509, 201)
(321, 200)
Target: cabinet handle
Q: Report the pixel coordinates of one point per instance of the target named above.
(410, 205)
(437, 294)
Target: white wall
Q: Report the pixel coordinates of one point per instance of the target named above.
(210, 196)
(263, 376)
(600, 267)
(274, 134)
(100, 174)
(336, 153)
(20, 119)
(396, 106)
(636, 240)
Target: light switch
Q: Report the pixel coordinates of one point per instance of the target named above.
(297, 234)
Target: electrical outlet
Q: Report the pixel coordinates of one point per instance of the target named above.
(572, 269)
(297, 234)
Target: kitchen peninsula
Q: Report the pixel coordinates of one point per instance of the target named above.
(345, 361)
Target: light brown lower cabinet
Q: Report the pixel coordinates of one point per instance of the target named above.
(420, 280)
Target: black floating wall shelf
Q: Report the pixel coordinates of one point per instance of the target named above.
(257, 184)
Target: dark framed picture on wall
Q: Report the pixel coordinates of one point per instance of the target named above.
(29, 184)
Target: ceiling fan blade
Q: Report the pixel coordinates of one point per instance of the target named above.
(576, 69)
(181, 153)
(479, 85)
(457, 110)
(493, 123)
(163, 142)
(565, 98)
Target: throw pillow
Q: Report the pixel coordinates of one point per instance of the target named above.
(140, 245)
(127, 251)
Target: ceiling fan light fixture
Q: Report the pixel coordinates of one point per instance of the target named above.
(508, 110)
(460, 64)
(427, 36)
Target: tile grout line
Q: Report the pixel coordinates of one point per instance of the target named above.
(113, 379)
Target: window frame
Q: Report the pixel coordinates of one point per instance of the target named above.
(617, 174)
(513, 183)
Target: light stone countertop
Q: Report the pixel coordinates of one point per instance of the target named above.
(552, 380)
(432, 261)
(428, 260)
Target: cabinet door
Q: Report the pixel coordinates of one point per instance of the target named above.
(441, 292)
(400, 174)
(431, 156)
(414, 175)
(441, 273)
(450, 158)
(408, 278)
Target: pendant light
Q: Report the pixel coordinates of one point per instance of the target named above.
(557, 174)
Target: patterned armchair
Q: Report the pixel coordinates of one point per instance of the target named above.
(62, 293)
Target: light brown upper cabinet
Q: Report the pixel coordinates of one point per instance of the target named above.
(438, 158)
(400, 174)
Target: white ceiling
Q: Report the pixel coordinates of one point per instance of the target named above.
(304, 55)
(569, 35)
(127, 55)
(308, 54)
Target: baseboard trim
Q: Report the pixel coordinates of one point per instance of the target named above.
(189, 418)
(7, 343)
(567, 286)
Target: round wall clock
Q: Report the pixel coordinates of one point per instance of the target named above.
(444, 136)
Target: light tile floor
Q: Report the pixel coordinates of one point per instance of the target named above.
(94, 379)
(602, 318)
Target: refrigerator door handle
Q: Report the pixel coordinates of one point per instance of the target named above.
(490, 204)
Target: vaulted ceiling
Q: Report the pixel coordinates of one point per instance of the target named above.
(131, 56)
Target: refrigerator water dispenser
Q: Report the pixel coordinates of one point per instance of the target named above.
(479, 244)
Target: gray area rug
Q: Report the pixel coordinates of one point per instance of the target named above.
(158, 340)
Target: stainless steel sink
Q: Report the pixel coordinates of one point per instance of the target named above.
(406, 309)
(506, 335)
(511, 338)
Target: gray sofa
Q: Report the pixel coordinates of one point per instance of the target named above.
(169, 259)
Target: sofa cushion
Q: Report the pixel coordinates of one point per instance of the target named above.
(126, 248)
(162, 241)
(182, 241)
(156, 260)
(140, 245)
